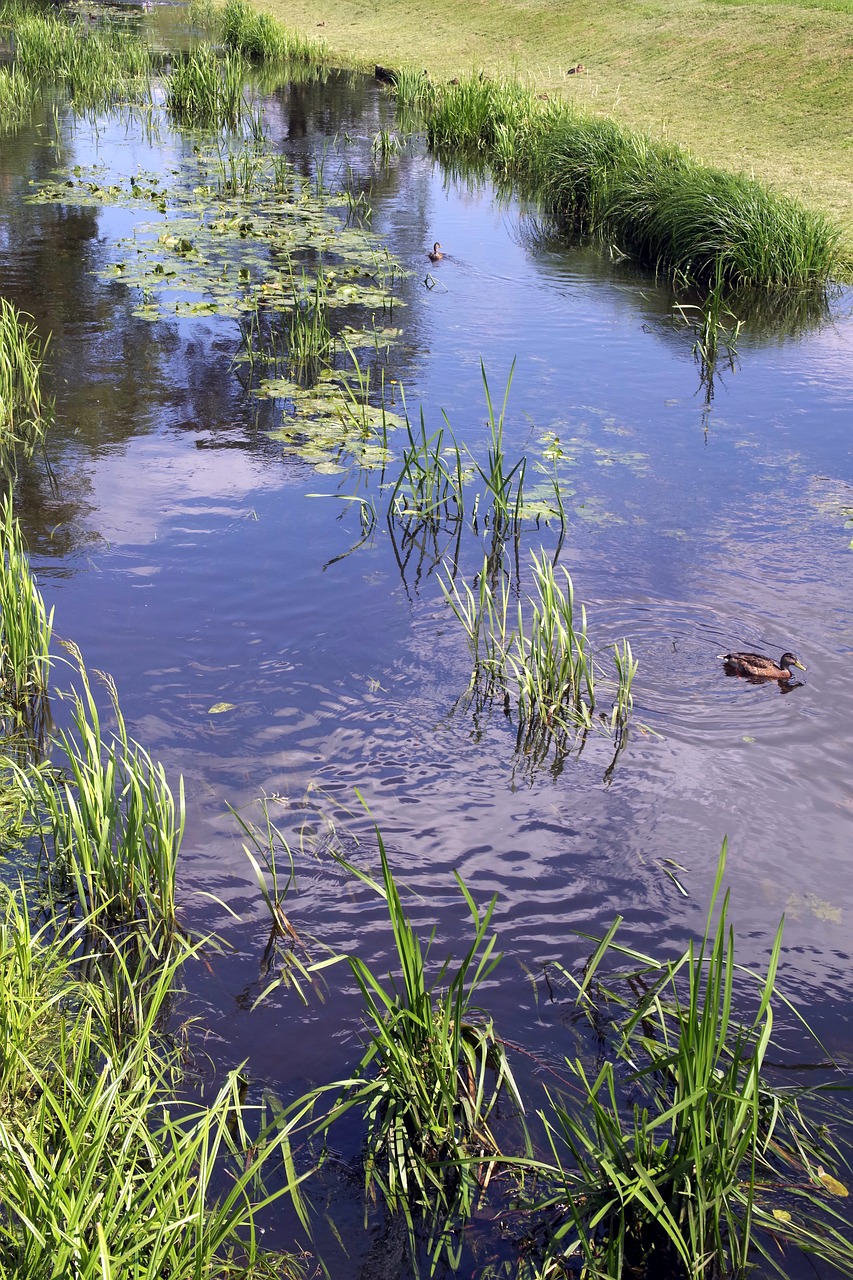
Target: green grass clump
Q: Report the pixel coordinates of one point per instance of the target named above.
(24, 410)
(94, 67)
(429, 1080)
(17, 95)
(260, 36)
(681, 1158)
(652, 199)
(207, 91)
(106, 1171)
(111, 825)
(25, 631)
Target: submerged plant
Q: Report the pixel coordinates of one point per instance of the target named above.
(682, 1158)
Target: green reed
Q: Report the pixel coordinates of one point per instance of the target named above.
(205, 90)
(430, 484)
(545, 663)
(111, 825)
(260, 36)
(26, 626)
(680, 1158)
(308, 336)
(24, 410)
(429, 1081)
(94, 67)
(650, 198)
(504, 483)
(106, 1170)
(17, 96)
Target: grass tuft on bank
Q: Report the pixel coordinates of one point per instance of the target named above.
(650, 199)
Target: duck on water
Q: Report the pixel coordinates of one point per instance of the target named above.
(756, 667)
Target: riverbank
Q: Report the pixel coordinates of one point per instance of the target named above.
(759, 88)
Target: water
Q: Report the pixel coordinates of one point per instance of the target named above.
(187, 556)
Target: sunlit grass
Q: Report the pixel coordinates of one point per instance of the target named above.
(650, 199)
(25, 632)
(208, 91)
(24, 408)
(677, 1155)
(260, 36)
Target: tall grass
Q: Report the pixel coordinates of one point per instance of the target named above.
(94, 67)
(681, 1158)
(651, 198)
(261, 36)
(17, 95)
(207, 91)
(26, 626)
(545, 663)
(24, 409)
(111, 825)
(105, 1171)
(428, 1083)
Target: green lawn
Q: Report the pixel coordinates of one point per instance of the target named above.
(763, 87)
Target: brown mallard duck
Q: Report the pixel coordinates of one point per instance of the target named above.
(756, 667)
(435, 255)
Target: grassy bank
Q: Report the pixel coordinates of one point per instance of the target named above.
(761, 88)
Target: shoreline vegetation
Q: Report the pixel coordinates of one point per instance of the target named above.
(646, 198)
(761, 88)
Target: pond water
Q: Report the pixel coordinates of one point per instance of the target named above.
(193, 557)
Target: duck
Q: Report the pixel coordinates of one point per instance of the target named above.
(757, 667)
(435, 254)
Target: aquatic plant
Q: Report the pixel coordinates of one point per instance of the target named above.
(544, 665)
(95, 68)
(24, 409)
(430, 484)
(207, 91)
(681, 1157)
(261, 36)
(25, 631)
(17, 95)
(105, 1169)
(651, 198)
(431, 1075)
(110, 824)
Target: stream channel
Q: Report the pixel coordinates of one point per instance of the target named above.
(214, 560)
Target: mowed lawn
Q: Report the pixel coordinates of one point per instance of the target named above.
(764, 88)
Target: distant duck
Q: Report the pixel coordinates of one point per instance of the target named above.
(576, 71)
(756, 667)
(435, 255)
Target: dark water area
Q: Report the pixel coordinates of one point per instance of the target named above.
(189, 556)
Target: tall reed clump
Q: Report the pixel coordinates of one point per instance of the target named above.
(106, 1171)
(17, 95)
(545, 663)
(651, 198)
(25, 631)
(428, 1083)
(260, 36)
(94, 67)
(24, 410)
(111, 826)
(207, 91)
(681, 1158)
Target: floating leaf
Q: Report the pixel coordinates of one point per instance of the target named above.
(218, 708)
(832, 1185)
(781, 1215)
